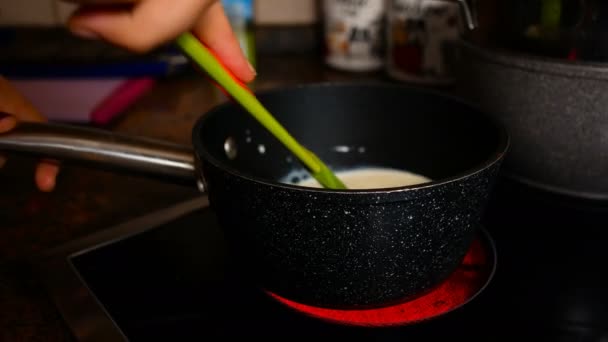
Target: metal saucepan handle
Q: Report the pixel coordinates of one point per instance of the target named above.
(469, 16)
(103, 149)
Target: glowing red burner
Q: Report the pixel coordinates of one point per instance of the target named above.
(468, 280)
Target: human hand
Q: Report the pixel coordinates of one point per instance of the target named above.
(13, 108)
(146, 24)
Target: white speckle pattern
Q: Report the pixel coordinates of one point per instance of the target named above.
(341, 149)
(336, 250)
(348, 149)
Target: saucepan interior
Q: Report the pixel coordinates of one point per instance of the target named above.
(353, 126)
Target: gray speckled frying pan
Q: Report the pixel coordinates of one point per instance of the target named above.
(329, 248)
(555, 112)
(545, 78)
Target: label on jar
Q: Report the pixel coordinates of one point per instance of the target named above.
(354, 34)
(416, 35)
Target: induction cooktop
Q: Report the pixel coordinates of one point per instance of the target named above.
(536, 271)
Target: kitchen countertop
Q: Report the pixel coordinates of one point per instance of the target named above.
(87, 200)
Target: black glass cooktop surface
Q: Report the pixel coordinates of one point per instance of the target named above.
(167, 276)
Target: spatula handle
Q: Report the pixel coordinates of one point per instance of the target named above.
(205, 59)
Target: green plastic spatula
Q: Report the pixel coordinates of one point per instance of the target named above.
(205, 59)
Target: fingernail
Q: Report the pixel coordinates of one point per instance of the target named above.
(251, 68)
(46, 175)
(84, 33)
(46, 183)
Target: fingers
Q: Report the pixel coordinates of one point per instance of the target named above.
(46, 171)
(13, 103)
(46, 175)
(213, 28)
(7, 122)
(150, 23)
(20, 109)
(146, 25)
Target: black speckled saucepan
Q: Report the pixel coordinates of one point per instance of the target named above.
(329, 248)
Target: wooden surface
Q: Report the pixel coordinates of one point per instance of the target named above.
(87, 200)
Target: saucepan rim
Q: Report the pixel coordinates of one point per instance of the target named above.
(579, 69)
(493, 158)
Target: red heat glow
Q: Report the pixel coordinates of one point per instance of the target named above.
(455, 291)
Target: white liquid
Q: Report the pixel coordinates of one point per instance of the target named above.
(372, 178)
